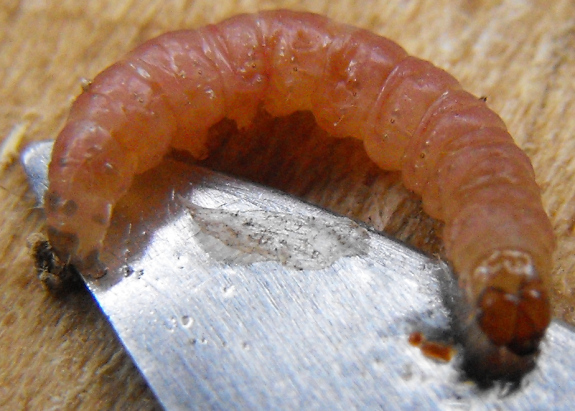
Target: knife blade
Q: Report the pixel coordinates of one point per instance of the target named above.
(229, 295)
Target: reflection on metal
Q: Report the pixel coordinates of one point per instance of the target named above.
(216, 320)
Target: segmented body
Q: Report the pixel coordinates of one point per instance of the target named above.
(450, 147)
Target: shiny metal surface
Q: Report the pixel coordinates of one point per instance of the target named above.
(290, 315)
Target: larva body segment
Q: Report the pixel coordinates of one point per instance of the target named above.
(411, 116)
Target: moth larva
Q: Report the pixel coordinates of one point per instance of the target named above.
(412, 116)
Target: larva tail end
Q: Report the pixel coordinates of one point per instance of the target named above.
(64, 247)
(63, 244)
(91, 265)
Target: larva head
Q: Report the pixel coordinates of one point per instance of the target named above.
(513, 308)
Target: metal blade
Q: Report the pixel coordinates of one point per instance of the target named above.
(231, 296)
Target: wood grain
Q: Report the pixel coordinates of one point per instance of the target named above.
(60, 352)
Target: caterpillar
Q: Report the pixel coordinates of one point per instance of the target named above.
(450, 148)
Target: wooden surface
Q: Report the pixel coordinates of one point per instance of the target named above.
(59, 353)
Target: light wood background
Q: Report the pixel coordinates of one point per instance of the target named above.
(59, 353)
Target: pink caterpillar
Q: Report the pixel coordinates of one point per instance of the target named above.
(414, 117)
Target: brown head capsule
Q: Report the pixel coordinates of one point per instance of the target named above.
(512, 306)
